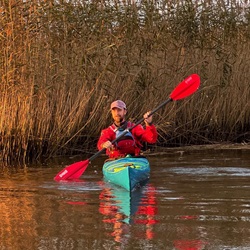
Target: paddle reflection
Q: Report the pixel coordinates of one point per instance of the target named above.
(189, 244)
(122, 209)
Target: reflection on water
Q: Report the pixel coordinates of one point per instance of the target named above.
(122, 208)
(192, 201)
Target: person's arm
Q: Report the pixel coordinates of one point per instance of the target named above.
(149, 134)
(104, 140)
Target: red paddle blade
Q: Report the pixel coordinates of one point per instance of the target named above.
(73, 171)
(186, 87)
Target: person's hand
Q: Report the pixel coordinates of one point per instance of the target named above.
(107, 144)
(148, 119)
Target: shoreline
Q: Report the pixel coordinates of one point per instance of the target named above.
(194, 148)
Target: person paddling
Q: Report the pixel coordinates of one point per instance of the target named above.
(184, 89)
(131, 142)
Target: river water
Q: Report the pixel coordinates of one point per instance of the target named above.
(195, 200)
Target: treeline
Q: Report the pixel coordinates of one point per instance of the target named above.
(63, 62)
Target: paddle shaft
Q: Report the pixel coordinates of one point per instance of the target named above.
(129, 129)
(151, 113)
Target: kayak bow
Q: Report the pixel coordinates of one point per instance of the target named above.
(127, 172)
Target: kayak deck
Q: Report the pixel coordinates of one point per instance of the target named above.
(127, 172)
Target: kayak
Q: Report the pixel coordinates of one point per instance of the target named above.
(127, 172)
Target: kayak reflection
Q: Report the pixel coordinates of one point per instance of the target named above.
(122, 209)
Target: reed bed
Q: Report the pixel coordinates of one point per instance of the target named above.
(63, 62)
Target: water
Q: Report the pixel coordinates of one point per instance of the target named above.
(193, 201)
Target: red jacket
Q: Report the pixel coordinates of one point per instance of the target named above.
(149, 134)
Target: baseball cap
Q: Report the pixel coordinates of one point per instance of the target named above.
(118, 104)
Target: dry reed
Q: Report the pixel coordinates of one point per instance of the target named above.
(61, 64)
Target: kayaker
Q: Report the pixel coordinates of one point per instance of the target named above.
(131, 142)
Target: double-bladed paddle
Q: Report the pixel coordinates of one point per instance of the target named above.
(182, 90)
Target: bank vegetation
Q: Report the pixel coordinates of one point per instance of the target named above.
(63, 62)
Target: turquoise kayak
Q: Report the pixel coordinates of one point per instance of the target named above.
(127, 172)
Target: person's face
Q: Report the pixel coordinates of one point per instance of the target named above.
(118, 114)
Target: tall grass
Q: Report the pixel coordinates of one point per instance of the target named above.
(63, 62)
